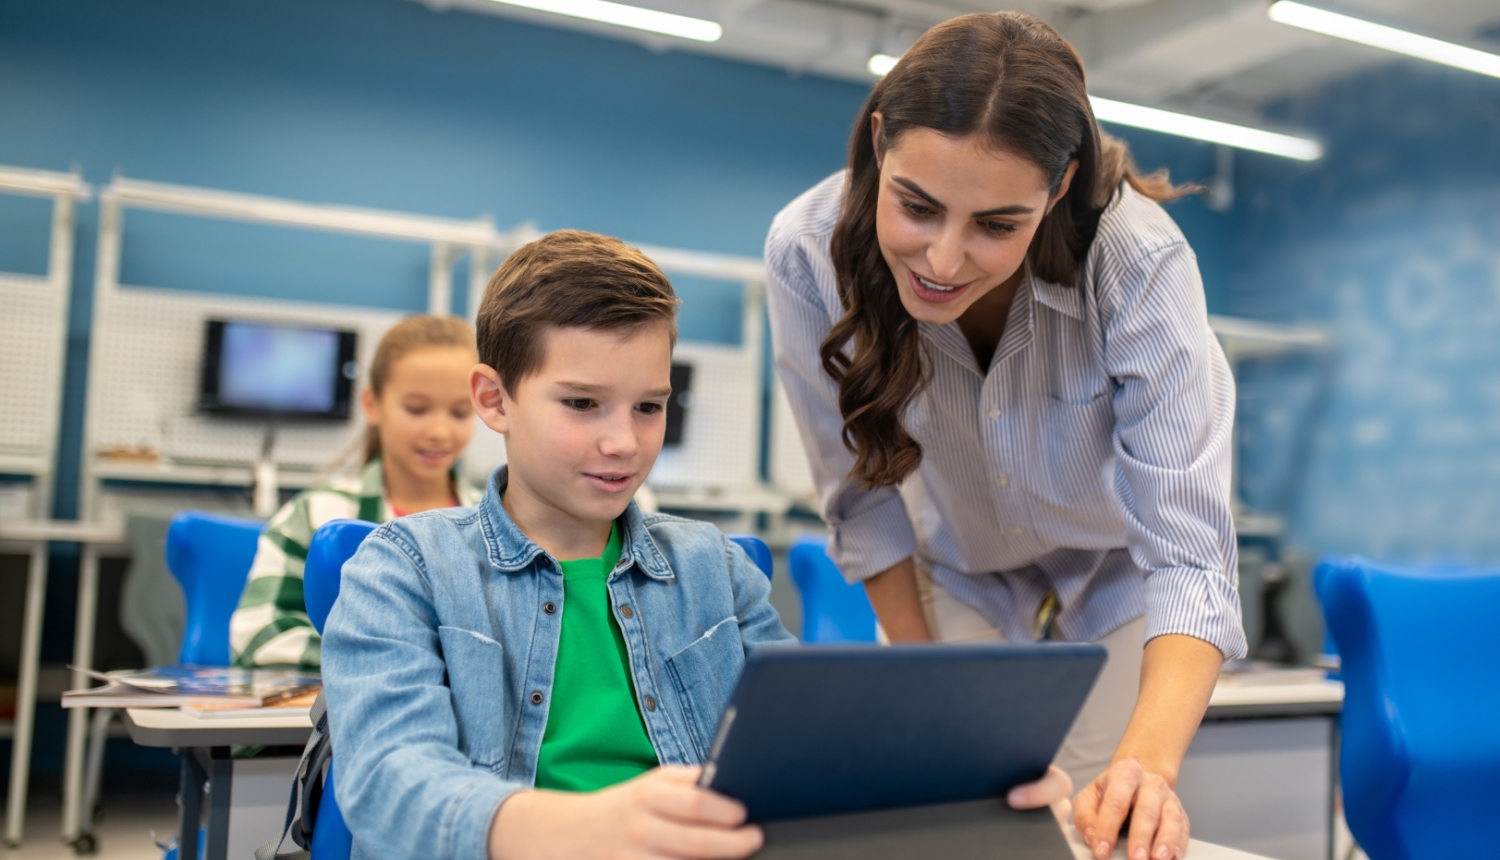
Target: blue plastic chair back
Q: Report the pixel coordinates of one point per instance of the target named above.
(331, 839)
(210, 556)
(832, 609)
(332, 545)
(757, 550)
(1420, 751)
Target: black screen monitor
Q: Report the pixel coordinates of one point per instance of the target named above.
(678, 403)
(277, 370)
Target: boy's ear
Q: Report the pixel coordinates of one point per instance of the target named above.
(487, 394)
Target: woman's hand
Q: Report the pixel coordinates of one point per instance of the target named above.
(1158, 823)
(1051, 790)
(660, 814)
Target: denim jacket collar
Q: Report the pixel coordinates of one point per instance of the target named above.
(510, 550)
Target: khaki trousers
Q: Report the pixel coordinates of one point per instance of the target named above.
(1101, 724)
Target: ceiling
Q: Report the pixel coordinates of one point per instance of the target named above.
(1217, 57)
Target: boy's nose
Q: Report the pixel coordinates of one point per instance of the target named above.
(619, 439)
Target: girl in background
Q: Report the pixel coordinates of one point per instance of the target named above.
(419, 416)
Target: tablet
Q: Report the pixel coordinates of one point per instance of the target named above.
(834, 729)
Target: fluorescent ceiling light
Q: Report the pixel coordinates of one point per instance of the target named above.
(1381, 36)
(622, 15)
(1211, 130)
(880, 64)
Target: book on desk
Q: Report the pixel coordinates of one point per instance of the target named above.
(204, 690)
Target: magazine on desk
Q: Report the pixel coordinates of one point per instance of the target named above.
(207, 688)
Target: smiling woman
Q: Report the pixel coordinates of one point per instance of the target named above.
(996, 343)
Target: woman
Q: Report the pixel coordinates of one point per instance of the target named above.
(996, 345)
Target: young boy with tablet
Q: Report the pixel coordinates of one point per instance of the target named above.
(537, 676)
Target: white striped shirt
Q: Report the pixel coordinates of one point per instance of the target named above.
(1091, 458)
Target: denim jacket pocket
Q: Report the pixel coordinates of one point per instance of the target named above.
(478, 698)
(704, 674)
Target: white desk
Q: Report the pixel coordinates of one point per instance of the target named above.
(36, 534)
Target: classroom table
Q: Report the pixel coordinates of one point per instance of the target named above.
(35, 535)
(1262, 771)
(205, 745)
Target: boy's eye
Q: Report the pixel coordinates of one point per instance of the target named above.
(651, 408)
(582, 404)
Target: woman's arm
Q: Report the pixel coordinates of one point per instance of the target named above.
(898, 605)
(1177, 677)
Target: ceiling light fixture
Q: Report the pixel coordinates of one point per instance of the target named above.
(1211, 130)
(622, 15)
(1388, 38)
(880, 64)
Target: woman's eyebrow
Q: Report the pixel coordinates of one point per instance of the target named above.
(1013, 209)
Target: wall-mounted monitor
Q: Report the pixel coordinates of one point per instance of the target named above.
(678, 403)
(277, 370)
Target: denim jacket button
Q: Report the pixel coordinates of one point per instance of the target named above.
(650, 703)
(627, 612)
(536, 697)
(549, 607)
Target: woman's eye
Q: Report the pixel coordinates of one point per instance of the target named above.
(463, 414)
(651, 408)
(581, 404)
(416, 410)
(999, 228)
(916, 209)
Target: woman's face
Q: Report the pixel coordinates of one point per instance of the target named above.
(423, 415)
(954, 218)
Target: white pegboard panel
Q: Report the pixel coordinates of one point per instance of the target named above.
(721, 441)
(486, 451)
(788, 459)
(150, 345)
(30, 371)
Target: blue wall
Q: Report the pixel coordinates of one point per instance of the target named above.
(1390, 444)
(383, 103)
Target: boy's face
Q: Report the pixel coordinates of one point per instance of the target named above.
(582, 431)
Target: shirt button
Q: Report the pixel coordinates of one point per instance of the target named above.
(1017, 531)
(994, 412)
(536, 697)
(650, 703)
(627, 612)
(549, 607)
(1003, 480)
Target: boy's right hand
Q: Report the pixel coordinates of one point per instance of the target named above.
(660, 814)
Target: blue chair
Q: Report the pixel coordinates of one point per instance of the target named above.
(757, 550)
(1420, 751)
(210, 556)
(832, 609)
(331, 546)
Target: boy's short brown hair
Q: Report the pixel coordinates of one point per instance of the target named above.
(567, 278)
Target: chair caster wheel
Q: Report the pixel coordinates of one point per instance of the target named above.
(85, 845)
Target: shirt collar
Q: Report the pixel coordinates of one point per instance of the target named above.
(511, 551)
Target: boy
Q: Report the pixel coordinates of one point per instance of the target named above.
(532, 677)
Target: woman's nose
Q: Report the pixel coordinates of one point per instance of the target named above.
(945, 256)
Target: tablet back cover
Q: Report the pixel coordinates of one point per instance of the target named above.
(826, 730)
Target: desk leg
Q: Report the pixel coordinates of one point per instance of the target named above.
(31, 650)
(78, 718)
(220, 783)
(190, 801)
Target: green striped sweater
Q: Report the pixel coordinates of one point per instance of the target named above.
(271, 627)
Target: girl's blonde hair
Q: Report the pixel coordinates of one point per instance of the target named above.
(411, 334)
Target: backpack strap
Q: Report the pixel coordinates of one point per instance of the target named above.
(307, 790)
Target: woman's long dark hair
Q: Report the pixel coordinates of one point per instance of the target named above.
(1012, 78)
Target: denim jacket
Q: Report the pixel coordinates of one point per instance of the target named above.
(438, 659)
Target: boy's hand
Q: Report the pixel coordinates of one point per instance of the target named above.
(660, 814)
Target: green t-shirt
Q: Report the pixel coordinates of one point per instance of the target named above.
(595, 736)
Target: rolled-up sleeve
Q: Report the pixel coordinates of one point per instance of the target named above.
(1174, 416)
(871, 528)
(403, 785)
